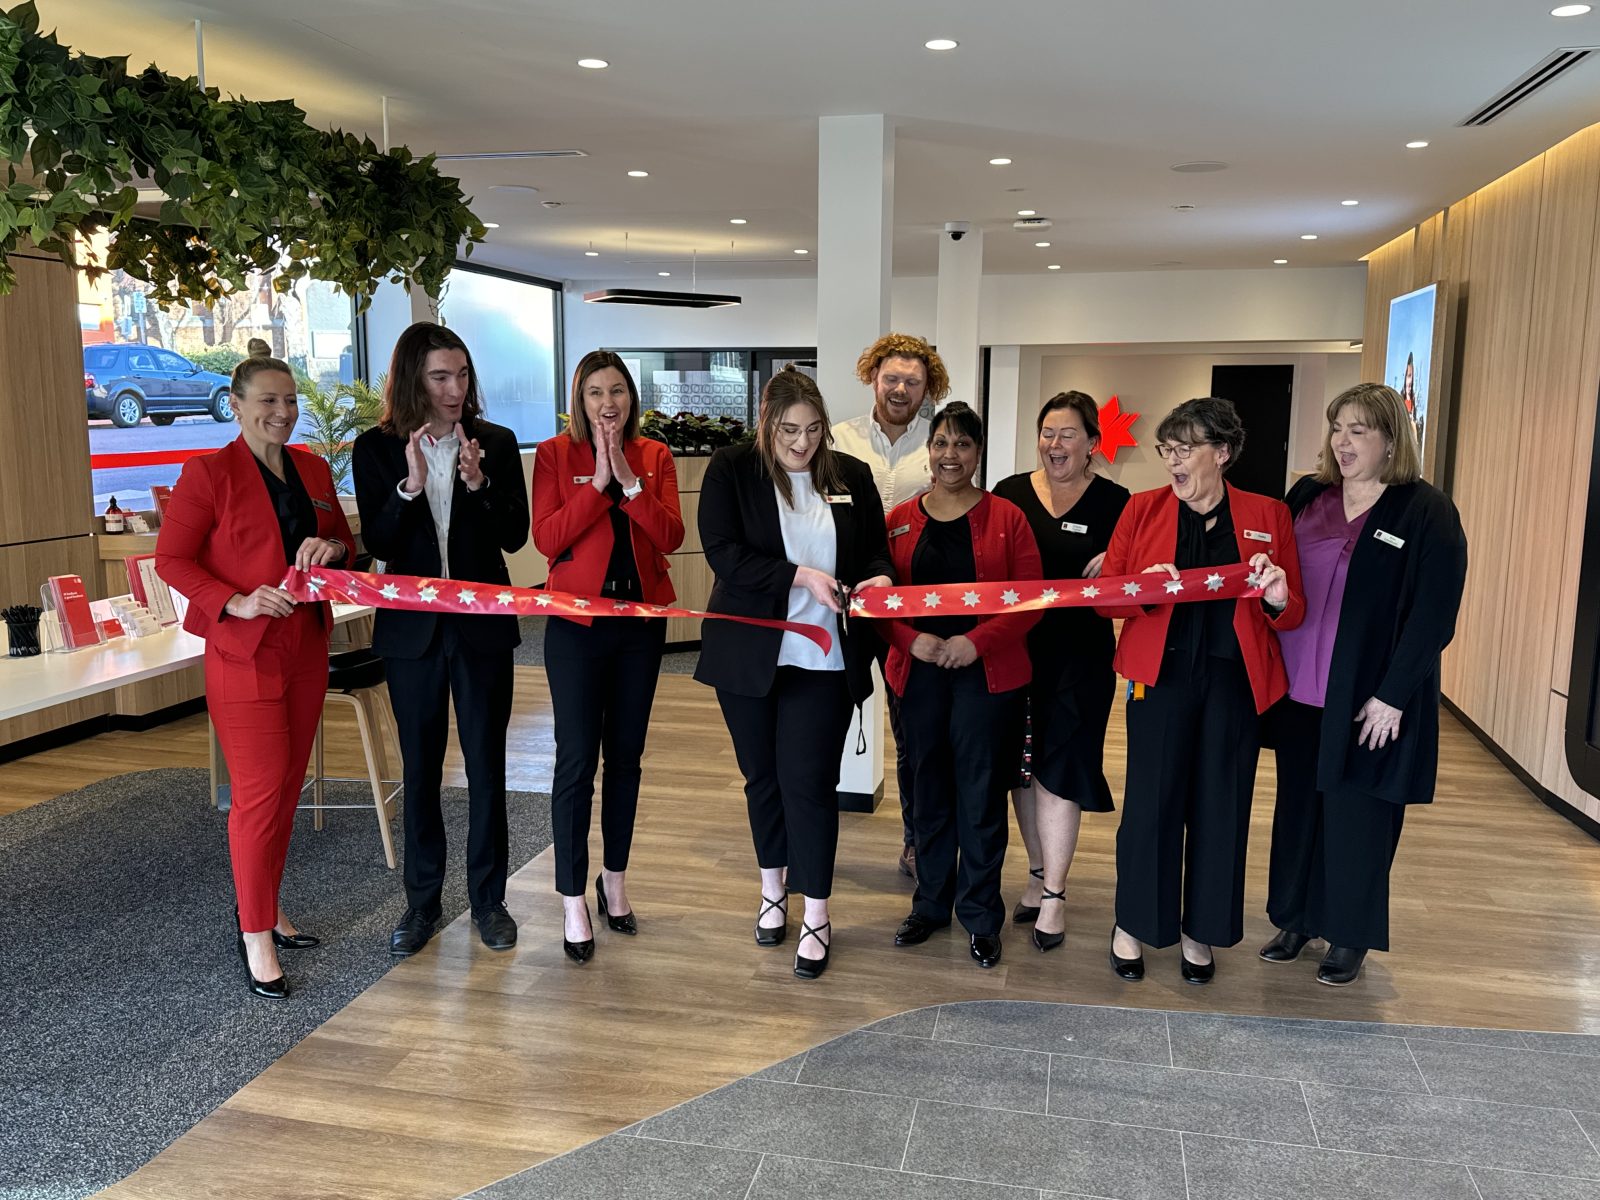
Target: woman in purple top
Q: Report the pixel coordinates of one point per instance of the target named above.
(1384, 560)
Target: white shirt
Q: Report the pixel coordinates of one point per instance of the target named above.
(809, 540)
(440, 488)
(900, 468)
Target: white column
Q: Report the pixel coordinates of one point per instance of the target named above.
(955, 330)
(1001, 453)
(855, 244)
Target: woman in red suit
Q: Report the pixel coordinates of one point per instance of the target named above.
(237, 521)
(1199, 675)
(605, 515)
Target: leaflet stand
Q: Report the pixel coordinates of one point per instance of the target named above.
(56, 631)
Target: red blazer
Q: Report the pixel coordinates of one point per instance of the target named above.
(1148, 534)
(1002, 548)
(220, 537)
(571, 523)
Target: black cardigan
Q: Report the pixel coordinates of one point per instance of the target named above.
(1397, 615)
(743, 543)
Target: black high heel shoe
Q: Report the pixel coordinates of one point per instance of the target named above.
(775, 935)
(283, 941)
(1024, 914)
(623, 924)
(812, 968)
(1194, 972)
(1049, 941)
(580, 952)
(1131, 969)
(267, 989)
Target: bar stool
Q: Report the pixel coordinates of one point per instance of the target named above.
(356, 678)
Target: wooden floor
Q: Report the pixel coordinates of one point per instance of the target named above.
(462, 1066)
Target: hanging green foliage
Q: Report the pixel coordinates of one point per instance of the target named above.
(248, 185)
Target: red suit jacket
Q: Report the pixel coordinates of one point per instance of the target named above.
(220, 536)
(572, 527)
(1002, 548)
(1147, 534)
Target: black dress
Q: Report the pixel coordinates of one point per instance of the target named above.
(1073, 684)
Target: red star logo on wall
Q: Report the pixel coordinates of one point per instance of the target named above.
(1114, 427)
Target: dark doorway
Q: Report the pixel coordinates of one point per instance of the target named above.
(1264, 397)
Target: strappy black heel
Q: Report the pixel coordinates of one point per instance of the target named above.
(1024, 914)
(775, 935)
(812, 968)
(1049, 941)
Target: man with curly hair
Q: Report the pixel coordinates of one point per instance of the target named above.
(903, 371)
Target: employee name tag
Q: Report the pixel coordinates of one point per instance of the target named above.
(583, 479)
(897, 531)
(1389, 539)
(322, 504)
(1074, 527)
(847, 498)
(1255, 535)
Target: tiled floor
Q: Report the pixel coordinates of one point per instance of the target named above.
(1001, 1099)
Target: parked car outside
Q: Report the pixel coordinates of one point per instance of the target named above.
(128, 382)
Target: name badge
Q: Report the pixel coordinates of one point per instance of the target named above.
(322, 504)
(1074, 527)
(1255, 535)
(583, 479)
(896, 532)
(1389, 539)
(847, 498)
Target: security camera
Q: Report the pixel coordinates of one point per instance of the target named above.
(957, 229)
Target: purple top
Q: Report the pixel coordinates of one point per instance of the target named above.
(1325, 541)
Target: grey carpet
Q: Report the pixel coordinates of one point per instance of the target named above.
(531, 652)
(123, 1012)
(1011, 1100)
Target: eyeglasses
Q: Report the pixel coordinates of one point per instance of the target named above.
(1181, 451)
(792, 433)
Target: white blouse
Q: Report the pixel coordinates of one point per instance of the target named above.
(809, 540)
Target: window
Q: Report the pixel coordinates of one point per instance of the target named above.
(512, 326)
(712, 383)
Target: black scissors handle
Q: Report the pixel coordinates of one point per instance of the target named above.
(843, 591)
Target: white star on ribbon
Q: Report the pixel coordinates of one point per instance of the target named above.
(1213, 582)
(543, 600)
(1049, 595)
(930, 600)
(857, 604)
(428, 594)
(1009, 597)
(1254, 579)
(505, 598)
(660, 608)
(970, 599)
(466, 596)
(1130, 588)
(1174, 586)
(316, 583)
(620, 605)
(580, 602)
(892, 602)
(1090, 592)
(389, 592)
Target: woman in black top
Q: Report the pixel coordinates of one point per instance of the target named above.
(1072, 512)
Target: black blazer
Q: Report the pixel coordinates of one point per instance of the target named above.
(484, 526)
(1397, 615)
(744, 544)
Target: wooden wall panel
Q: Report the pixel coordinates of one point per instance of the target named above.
(1388, 276)
(1427, 255)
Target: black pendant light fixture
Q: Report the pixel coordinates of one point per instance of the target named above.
(660, 298)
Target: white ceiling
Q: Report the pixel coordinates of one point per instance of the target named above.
(1309, 102)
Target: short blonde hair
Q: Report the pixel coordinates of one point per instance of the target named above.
(905, 345)
(1380, 406)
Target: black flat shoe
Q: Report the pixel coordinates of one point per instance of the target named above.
(774, 935)
(1049, 941)
(812, 968)
(620, 924)
(916, 929)
(580, 952)
(1194, 972)
(985, 949)
(1024, 914)
(1285, 947)
(412, 933)
(1340, 966)
(496, 928)
(294, 941)
(267, 989)
(1131, 969)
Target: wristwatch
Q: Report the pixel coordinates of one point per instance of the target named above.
(629, 493)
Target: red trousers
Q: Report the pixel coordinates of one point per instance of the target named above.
(266, 711)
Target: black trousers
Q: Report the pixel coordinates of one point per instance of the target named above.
(904, 765)
(602, 685)
(966, 742)
(1193, 742)
(421, 690)
(1331, 851)
(788, 744)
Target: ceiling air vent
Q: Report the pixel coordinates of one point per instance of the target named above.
(505, 154)
(1557, 64)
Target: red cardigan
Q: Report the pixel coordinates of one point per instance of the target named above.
(1002, 548)
(220, 536)
(572, 526)
(1147, 534)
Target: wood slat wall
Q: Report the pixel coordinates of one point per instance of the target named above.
(1523, 254)
(691, 576)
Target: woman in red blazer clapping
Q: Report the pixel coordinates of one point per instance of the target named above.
(1199, 674)
(605, 515)
(960, 680)
(238, 520)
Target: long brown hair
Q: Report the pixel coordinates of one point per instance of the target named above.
(405, 398)
(1381, 407)
(578, 416)
(784, 390)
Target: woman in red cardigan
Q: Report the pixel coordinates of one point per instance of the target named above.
(1199, 674)
(961, 681)
(605, 515)
(238, 520)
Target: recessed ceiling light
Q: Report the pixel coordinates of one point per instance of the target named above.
(1053, 267)
(942, 44)
(999, 162)
(594, 64)
(591, 254)
(1042, 245)
(1569, 10)
(802, 252)
(665, 274)
(1416, 145)
(1308, 237)
(491, 224)
(1027, 212)
(1349, 203)
(1280, 262)
(737, 221)
(639, 174)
